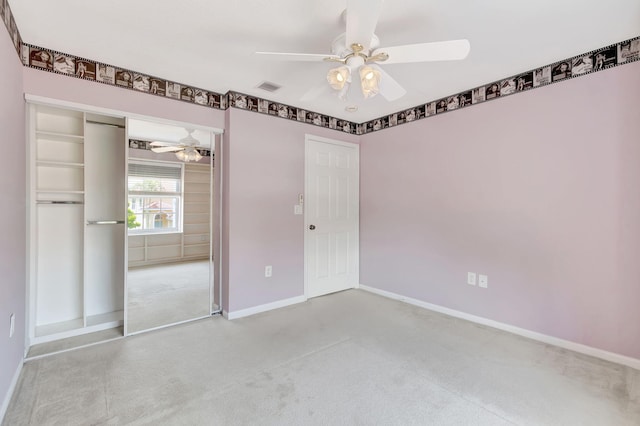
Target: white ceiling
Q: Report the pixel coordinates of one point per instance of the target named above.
(210, 43)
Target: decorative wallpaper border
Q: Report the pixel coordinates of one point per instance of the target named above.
(10, 23)
(600, 59)
(288, 112)
(44, 59)
(87, 69)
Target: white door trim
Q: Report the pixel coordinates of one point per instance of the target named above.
(310, 137)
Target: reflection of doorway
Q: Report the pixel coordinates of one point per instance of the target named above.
(331, 216)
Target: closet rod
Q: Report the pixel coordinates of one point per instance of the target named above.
(105, 222)
(58, 202)
(119, 126)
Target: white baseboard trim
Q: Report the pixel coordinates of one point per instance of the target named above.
(566, 344)
(12, 388)
(263, 308)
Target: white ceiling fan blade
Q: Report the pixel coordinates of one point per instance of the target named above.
(362, 18)
(167, 149)
(389, 88)
(426, 52)
(158, 143)
(301, 57)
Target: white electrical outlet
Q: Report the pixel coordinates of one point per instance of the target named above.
(268, 271)
(483, 281)
(471, 278)
(12, 325)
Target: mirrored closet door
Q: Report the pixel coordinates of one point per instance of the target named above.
(169, 225)
(120, 236)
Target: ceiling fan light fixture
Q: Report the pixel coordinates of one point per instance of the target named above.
(358, 47)
(189, 154)
(370, 81)
(338, 77)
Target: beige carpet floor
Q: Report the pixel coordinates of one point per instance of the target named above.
(351, 358)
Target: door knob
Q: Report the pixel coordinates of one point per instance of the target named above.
(312, 227)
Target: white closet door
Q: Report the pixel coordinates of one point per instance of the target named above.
(104, 205)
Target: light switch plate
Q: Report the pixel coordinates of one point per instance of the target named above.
(297, 209)
(268, 271)
(471, 278)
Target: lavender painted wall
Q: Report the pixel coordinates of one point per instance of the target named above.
(13, 214)
(539, 191)
(264, 173)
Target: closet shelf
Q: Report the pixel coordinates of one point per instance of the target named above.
(60, 137)
(58, 191)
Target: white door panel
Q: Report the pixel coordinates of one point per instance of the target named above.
(331, 257)
(105, 184)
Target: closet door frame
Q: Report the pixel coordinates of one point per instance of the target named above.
(217, 196)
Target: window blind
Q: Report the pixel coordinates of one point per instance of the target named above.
(168, 171)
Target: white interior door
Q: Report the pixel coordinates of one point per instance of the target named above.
(331, 216)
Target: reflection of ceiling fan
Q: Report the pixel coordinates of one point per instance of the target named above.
(358, 51)
(185, 149)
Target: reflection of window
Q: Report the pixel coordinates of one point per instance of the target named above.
(155, 196)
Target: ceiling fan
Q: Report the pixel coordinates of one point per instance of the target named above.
(185, 149)
(359, 52)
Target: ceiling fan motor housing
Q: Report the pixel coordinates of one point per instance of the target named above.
(339, 46)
